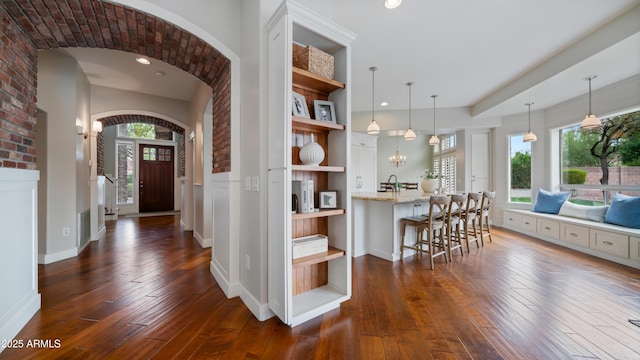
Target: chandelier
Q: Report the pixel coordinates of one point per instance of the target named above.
(397, 160)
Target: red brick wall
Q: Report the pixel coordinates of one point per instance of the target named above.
(29, 25)
(222, 121)
(18, 68)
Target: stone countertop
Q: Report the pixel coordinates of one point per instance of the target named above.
(403, 196)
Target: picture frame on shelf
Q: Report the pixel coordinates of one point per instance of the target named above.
(328, 199)
(300, 107)
(324, 110)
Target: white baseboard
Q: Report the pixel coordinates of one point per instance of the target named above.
(231, 290)
(261, 311)
(204, 243)
(21, 316)
(61, 255)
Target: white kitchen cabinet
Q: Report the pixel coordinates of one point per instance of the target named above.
(303, 288)
(364, 162)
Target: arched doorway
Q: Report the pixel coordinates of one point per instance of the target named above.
(29, 25)
(36, 25)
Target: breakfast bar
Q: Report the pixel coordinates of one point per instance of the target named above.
(376, 221)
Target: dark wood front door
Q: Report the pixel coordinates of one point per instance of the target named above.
(156, 178)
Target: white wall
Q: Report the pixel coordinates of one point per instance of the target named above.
(19, 244)
(62, 93)
(109, 101)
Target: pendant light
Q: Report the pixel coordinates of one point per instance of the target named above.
(392, 4)
(530, 136)
(590, 121)
(397, 160)
(434, 139)
(373, 127)
(410, 134)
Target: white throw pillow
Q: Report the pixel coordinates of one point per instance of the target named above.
(593, 213)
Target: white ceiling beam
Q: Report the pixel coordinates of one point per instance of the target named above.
(599, 39)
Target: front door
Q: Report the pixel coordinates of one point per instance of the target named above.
(156, 178)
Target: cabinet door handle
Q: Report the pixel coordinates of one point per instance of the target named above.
(547, 228)
(574, 234)
(510, 219)
(527, 223)
(608, 243)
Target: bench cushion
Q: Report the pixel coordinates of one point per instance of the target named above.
(624, 211)
(550, 202)
(593, 213)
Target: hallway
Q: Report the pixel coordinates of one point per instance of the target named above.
(145, 291)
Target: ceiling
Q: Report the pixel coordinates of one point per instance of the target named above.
(489, 56)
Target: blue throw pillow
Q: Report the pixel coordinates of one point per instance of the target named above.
(624, 210)
(550, 202)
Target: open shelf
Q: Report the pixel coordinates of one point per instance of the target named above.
(310, 81)
(312, 303)
(317, 214)
(300, 123)
(320, 168)
(332, 253)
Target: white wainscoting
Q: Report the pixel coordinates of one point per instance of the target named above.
(18, 249)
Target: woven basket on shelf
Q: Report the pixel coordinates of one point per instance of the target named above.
(313, 60)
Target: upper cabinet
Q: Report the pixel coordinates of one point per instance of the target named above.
(309, 147)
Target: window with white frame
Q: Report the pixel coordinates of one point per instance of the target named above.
(599, 162)
(444, 162)
(124, 171)
(519, 169)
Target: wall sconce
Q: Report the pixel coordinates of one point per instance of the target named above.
(97, 126)
(80, 131)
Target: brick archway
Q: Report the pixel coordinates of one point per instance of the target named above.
(145, 119)
(27, 26)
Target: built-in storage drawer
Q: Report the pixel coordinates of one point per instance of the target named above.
(634, 248)
(511, 220)
(528, 223)
(519, 221)
(578, 235)
(615, 244)
(549, 228)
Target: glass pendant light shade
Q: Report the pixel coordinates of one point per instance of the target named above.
(529, 136)
(590, 121)
(373, 127)
(410, 134)
(435, 140)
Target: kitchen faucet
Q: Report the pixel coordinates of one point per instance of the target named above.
(394, 184)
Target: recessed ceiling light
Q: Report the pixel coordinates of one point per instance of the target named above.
(392, 4)
(384, 103)
(143, 61)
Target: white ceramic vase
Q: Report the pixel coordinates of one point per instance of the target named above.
(312, 153)
(429, 185)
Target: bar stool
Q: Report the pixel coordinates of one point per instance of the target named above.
(483, 215)
(468, 219)
(433, 224)
(452, 223)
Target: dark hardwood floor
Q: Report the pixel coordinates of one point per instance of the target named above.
(145, 291)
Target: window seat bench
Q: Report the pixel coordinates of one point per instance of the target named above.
(612, 242)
